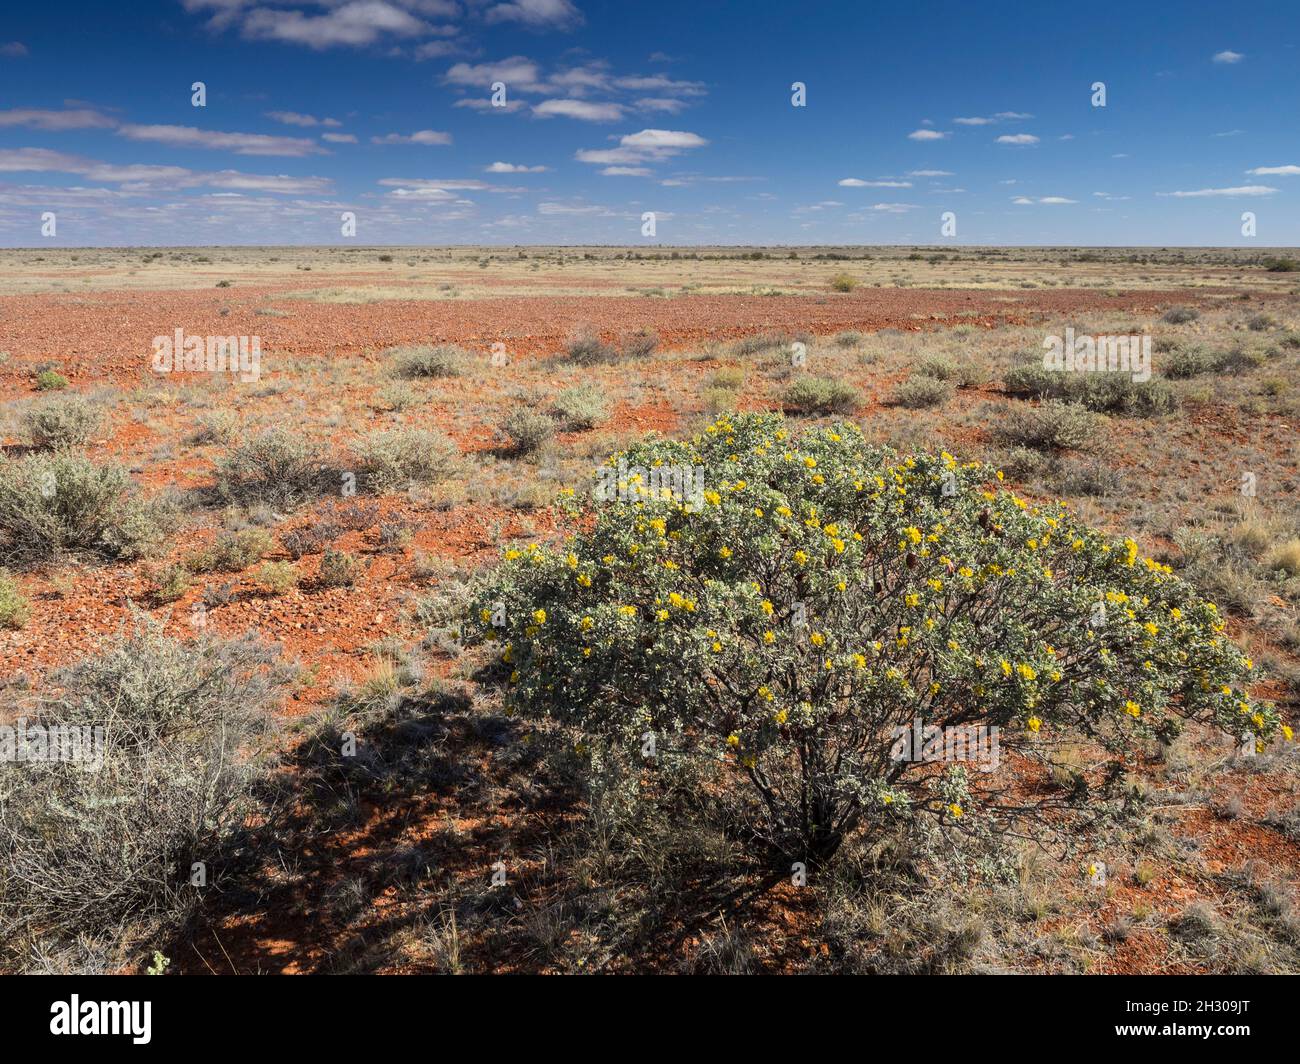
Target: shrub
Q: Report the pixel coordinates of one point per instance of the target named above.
(68, 421)
(849, 338)
(919, 391)
(55, 502)
(528, 430)
(820, 395)
(1110, 393)
(102, 859)
(1053, 425)
(1180, 315)
(217, 427)
(759, 344)
(232, 552)
(962, 374)
(396, 397)
(1281, 265)
(586, 348)
(424, 360)
(843, 282)
(1286, 556)
(273, 468)
(582, 407)
(397, 459)
(13, 605)
(168, 583)
(49, 380)
(640, 344)
(278, 577)
(830, 596)
(338, 569)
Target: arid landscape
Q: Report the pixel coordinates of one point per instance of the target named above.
(413, 414)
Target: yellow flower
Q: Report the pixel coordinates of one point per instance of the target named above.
(913, 599)
(767, 607)
(765, 693)
(955, 810)
(1287, 733)
(724, 552)
(586, 624)
(627, 611)
(817, 639)
(662, 615)
(1034, 724)
(539, 616)
(584, 580)
(1026, 672)
(800, 557)
(769, 637)
(781, 716)
(810, 462)
(733, 740)
(512, 554)
(1132, 709)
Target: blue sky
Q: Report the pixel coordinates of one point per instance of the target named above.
(382, 108)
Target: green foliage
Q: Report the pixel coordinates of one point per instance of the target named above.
(424, 360)
(100, 859)
(55, 502)
(66, 421)
(581, 407)
(394, 460)
(820, 395)
(827, 593)
(1051, 426)
(13, 605)
(338, 569)
(843, 282)
(528, 430)
(920, 391)
(274, 468)
(49, 380)
(1104, 393)
(232, 552)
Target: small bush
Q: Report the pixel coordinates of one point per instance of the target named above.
(581, 407)
(310, 539)
(278, 577)
(586, 348)
(1281, 265)
(424, 360)
(842, 282)
(640, 344)
(274, 468)
(56, 502)
(217, 427)
(49, 380)
(168, 583)
(919, 391)
(820, 395)
(13, 606)
(394, 460)
(1053, 425)
(68, 421)
(848, 338)
(1104, 393)
(528, 430)
(730, 377)
(1286, 556)
(101, 860)
(759, 344)
(1180, 315)
(396, 397)
(338, 569)
(961, 374)
(232, 552)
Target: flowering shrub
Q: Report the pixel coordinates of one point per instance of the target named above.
(827, 593)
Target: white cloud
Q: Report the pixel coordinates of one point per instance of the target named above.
(518, 73)
(926, 134)
(894, 208)
(13, 49)
(1017, 138)
(1228, 57)
(626, 171)
(1240, 190)
(580, 109)
(1275, 171)
(358, 22)
(662, 140)
(293, 118)
(930, 173)
(339, 138)
(239, 143)
(428, 137)
(35, 118)
(514, 168)
(973, 121)
(857, 182)
(1049, 200)
(548, 14)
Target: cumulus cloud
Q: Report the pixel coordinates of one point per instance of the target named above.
(580, 109)
(930, 173)
(514, 168)
(293, 118)
(927, 134)
(1239, 190)
(857, 182)
(339, 138)
(36, 118)
(1227, 56)
(428, 137)
(1049, 200)
(548, 14)
(239, 143)
(1275, 171)
(1017, 138)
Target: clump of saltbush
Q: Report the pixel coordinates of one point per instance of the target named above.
(528, 430)
(425, 360)
(1180, 315)
(586, 348)
(820, 596)
(1106, 393)
(274, 468)
(581, 407)
(820, 395)
(394, 460)
(1050, 426)
(843, 282)
(68, 421)
(920, 391)
(99, 858)
(59, 502)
